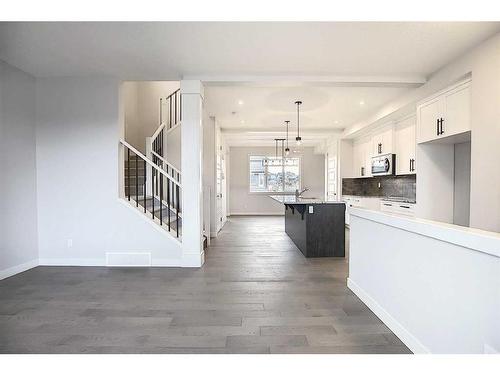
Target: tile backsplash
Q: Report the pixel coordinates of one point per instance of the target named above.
(398, 186)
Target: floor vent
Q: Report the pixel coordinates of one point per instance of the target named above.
(128, 259)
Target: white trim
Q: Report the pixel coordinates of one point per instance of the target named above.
(399, 330)
(126, 254)
(80, 262)
(327, 80)
(14, 270)
(194, 259)
(94, 262)
(257, 214)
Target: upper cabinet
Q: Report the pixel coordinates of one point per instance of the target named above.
(445, 114)
(404, 139)
(382, 142)
(361, 157)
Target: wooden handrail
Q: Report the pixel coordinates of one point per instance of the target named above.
(155, 134)
(160, 170)
(166, 162)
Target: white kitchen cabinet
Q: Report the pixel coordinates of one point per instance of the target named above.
(398, 208)
(382, 141)
(361, 158)
(404, 139)
(444, 114)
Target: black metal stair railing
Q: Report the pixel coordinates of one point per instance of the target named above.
(160, 197)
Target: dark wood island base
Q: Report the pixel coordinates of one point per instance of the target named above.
(317, 228)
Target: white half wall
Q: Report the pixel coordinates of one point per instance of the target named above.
(81, 218)
(436, 286)
(18, 205)
(242, 202)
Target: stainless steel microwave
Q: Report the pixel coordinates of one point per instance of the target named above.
(383, 165)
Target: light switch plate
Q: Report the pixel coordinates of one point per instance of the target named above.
(311, 209)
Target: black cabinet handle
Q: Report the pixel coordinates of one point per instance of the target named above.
(441, 131)
(362, 171)
(404, 206)
(437, 126)
(410, 165)
(380, 148)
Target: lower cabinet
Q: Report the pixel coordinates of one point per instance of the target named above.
(405, 209)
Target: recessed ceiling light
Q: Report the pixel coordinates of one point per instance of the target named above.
(362, 102)
(336, 122)
(240, 102)
(242, 121)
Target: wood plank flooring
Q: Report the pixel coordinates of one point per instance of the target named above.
(255, 294)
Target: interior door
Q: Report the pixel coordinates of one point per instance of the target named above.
(219, 195)
(331, 175)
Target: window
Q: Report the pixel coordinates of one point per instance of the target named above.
(272, 174)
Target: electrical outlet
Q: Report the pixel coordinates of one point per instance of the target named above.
(379, 185)
(70, 243)
(311, 209)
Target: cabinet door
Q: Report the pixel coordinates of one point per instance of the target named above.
(367, 159)
(404, 135)
(456, 117)
(386, 141)
(428, 114)
(356, 160)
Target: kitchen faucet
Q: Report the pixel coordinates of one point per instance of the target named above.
(299, 193)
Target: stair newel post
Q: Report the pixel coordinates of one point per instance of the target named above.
(136, 180)
(192, 172)
(170, 112)
(153, 193)
(168, 202)
(148, 171)
(144, 187)
(161, 198)
(161, 112)
(128, 173)
(177, 209)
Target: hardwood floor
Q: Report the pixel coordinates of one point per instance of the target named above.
(255, 294)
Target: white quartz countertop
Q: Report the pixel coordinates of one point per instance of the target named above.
(475, 239)
(292, 199)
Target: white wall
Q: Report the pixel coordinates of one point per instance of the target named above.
(142, 108)
(209, 165)
(461, 193)
(242, 202)
(438, 293)
(18, 206)
(484, 64)
(78, 128)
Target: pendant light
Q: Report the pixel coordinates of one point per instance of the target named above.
(297, 138)
(287, 150)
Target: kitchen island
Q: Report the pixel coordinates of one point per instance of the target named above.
(315, 226)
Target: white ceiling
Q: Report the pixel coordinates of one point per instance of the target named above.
(327, 108)
(170, 51)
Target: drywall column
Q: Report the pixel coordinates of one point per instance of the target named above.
(191, 168)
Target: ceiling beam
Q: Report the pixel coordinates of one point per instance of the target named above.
(309, 80)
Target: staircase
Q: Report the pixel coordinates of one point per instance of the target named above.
(151, 183)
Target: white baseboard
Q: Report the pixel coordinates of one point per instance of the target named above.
(79, 262)
(193, 259)
(11, 271)
(73, 262)
(401, 332)
(256, 214)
